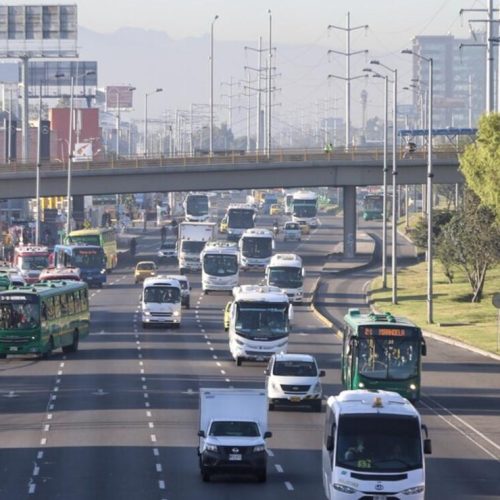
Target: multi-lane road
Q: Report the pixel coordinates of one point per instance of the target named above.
(118, 420)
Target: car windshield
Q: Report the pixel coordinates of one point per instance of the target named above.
(168, 245)
(161, 294)
(292, 227)
(19, 312)
(379, 443)
(285, 277)
(146, 266)
(295, 368)
(234, 429)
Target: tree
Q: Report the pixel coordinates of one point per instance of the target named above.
(471, 241)
(439, 219)
(480, 163)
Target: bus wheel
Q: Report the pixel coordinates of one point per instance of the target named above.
(3, 355)
(73, 347)
(238, 361)
(48, 352)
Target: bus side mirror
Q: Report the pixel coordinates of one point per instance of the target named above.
(427, 446)
(424, 348)
(329, 443)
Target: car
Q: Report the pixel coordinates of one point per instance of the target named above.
(13, 274)
(185, 288)
(304, 227)
(293, 379)
(227, 315)
(223, 225)
(144, 269)
(275, 209)
(168, 249)
(291, 231)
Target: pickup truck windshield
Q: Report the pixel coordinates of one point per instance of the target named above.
(247, 429)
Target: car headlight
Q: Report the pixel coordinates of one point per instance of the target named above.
(414, 491)
(211, 447)
(176, 313)
(275, 386)
(239, 342)
(103, 271)
(146, 312)
(343, 488)
(317, 387)
(260, 447)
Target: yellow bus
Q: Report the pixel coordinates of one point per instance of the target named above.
(104, 237)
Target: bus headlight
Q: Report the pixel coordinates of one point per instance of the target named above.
(343, 488)
(146, 312)
(103, 271)
(361, 385)
(176, 313)
(414, 491)
(413, 387)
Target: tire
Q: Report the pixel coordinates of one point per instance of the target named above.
(271, 406)
(205, 292)
(188, 305)
(205, 475)
(73, 347)
(317, 405)
(262, 476)
(238, 361)
(176, 326)
(48, 352)
(182, 271)
(145, 326)
(3, 355)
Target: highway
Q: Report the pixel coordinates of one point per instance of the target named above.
(118, 420)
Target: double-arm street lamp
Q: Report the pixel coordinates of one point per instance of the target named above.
(430, 174)
(394, 253)
(211, 139)
(155, 91)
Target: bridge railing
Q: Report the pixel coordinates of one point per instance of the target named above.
(231, 158)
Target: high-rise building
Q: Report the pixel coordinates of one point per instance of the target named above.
(458, 79)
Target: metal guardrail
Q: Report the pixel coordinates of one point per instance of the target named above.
(233, 158)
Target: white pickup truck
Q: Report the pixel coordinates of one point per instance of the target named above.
(233, 430)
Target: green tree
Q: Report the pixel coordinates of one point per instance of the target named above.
(471, 241)
(480, 163)
(439, 219)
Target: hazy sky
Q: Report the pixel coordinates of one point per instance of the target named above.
(294, 21)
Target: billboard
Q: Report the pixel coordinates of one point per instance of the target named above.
(38, 31)
(119, 96)
(82, 151)
(84, 75)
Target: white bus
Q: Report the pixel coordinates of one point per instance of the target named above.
(256, 248)
(240, 216)
(161, 302)
(196, 207)
(260, 320)
(305, 208)
(285, 270)
(373, 447)
(220, 269)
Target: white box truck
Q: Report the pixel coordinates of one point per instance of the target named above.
(191, 241)
(233, 432)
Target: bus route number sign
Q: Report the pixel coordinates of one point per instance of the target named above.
(386, 332)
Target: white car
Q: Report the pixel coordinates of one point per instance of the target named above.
(14, 274)
(293, 379)
(168, 249)
(292, 231)
(185, 288)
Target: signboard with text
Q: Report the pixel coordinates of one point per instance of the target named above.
(83, 151)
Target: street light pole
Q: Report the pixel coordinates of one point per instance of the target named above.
(146, 118)
(269, 85)
(211, 139)
(38, 165)
(70, 156)
(394, 249)
(430, 175)
(118, 124)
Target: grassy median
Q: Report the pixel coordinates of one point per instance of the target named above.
(454, 315)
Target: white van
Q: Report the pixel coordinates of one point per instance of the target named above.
(287, 272)
(161, 302)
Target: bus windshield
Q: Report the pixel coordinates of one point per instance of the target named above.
(88, 258)
(388, 358)
(375, 203)
(19, 312)
(285, 277)
(241, 218)
(89, 239)
(162, 294)
(378, 443)
(257, 247)
(197, 204)
(261, 321)
(305, 210)
(33, 262)
(220, 265)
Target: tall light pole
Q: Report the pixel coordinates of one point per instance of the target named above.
(70, 142)
(211, 139)
(146, 96)
(38, 165)
(385, 170)
(430, 175)
(394, 250)
(269, 84)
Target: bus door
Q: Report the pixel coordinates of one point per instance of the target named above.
(328, 449)
(349, 356)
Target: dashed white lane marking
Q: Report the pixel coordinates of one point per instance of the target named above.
(43, 441)
(156, 452)
(153, 438)
(32, 488)
(289, 486)
(278, 468)
(151, 425)
(161, 485)
(159, 468)
(270, 452)
(39, 455)
(36, 470)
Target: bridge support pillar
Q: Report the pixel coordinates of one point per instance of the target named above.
(349, 206)
(78, 210)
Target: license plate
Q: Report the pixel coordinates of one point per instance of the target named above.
(13, 349)
(295, 399)
(234, 457)
(379, 497)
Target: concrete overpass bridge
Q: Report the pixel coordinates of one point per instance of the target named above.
(287, 169)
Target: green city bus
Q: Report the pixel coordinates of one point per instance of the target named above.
(104, 237)
(381, 351)
(38, 318)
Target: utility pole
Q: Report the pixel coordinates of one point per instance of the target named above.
(269, 85)
(348, 76)
(491, 41)
(230, 96)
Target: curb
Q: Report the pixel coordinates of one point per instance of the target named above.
(324, 317)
